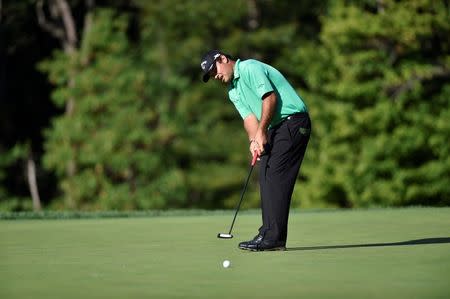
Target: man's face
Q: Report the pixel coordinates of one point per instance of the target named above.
(223, 71)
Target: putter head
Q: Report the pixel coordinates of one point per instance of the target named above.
(224, 236)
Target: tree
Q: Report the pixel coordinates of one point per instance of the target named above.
(384, 104)
(62, 26)
(137, 128)
(23, 106)
(187, 146)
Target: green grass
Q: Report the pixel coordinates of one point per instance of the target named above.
(335, 254)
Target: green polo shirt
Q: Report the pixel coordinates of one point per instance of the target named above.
(252, 80)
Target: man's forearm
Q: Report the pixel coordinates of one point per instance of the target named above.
(268, 109)
(251, 126)
(260, 138)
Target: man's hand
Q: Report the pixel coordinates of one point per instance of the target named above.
(257, 143)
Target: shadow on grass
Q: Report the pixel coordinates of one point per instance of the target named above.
(411, 242)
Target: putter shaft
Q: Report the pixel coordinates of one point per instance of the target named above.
(255, 157)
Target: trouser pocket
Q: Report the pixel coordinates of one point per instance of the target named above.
(299, 129)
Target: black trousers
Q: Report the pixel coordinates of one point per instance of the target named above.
(279, 167)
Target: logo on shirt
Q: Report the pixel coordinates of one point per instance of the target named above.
(304, 131)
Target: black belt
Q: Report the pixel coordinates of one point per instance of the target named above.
(296, 115)
(292, 116)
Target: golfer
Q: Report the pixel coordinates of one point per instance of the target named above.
(278, 126)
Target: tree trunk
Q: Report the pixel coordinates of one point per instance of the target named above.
(32, 184)
(253, 15)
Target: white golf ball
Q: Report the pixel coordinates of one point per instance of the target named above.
(226, 263)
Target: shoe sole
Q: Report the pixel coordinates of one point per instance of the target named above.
(243, 248)
(268, 249)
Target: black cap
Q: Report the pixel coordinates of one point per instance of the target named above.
(208, 62)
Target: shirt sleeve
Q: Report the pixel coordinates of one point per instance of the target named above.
(242, 108)
(258, 79)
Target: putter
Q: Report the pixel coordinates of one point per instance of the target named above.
(229, 235)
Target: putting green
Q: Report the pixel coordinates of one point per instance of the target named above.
(381, 253)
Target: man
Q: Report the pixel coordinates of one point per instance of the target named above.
(278, 126)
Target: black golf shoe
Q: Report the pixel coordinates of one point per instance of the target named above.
(266, 245)
(257, 239)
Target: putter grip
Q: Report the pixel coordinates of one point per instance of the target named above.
(255, 157)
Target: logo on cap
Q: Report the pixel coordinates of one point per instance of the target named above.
(203, 64)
